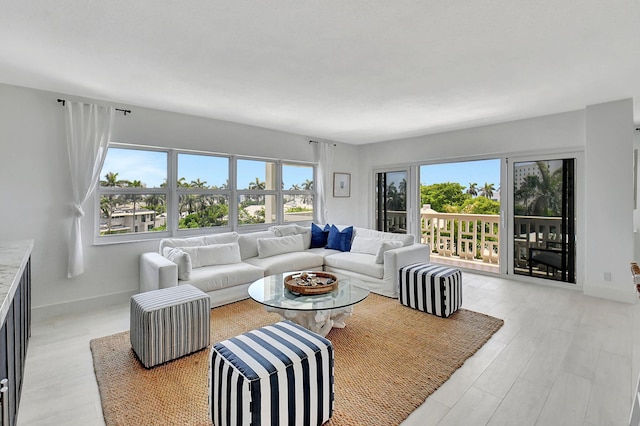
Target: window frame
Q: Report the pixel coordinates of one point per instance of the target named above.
(200, 191)
(172, 193)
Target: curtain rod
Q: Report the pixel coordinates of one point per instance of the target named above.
(319, 142)
(124, 111)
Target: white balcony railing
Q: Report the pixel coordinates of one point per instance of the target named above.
(473, 240)
(469, 237)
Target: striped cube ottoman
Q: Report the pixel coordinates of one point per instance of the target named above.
(431, 288)
(276, 375)
(169, 323)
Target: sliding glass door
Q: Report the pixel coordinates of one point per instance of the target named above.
(391, 201)
(543, 217)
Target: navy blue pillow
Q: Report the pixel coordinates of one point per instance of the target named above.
(319, 236)
(340, 240)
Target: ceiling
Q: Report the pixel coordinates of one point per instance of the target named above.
(349, 71)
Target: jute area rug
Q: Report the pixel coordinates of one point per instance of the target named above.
(388, 360)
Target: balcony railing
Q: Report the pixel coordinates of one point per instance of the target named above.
(473, 240)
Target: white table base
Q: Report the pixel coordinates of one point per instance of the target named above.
(320, 322)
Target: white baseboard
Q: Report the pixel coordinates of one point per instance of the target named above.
(43, 313)
(626, 295)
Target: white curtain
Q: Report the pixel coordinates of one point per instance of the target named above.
(324, 156)
(88, 132)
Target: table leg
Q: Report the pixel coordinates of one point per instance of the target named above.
(320, 322)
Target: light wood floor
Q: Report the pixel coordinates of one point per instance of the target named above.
(561, 358)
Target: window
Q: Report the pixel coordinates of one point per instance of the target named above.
(149, 193)
(256, 185)
(203, 191)
(297, 190)
(132, 191)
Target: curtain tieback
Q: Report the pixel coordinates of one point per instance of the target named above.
(78, 210)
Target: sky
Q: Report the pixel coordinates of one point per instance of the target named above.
(466, 172)
(150, 167)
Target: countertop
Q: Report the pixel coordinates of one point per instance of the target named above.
(14, 256)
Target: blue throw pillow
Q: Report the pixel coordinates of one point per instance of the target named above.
(339, 240)
(319, 236)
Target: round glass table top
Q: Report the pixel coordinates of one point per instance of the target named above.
(270, 291)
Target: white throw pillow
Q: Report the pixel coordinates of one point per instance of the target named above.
(268, 247)
(366, 245)
(293, 229)
(214, 254)
(387, 245)
(180, 258)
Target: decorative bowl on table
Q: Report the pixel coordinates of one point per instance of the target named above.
(310, 283)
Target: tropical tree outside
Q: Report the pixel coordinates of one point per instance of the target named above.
(472, 189)
(487, 190)
(540, 195)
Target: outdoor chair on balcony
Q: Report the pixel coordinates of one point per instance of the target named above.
(549, 257)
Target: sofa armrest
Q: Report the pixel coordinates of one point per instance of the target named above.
(397, 258)
(157, 272)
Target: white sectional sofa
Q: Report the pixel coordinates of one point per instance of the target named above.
(224, 265)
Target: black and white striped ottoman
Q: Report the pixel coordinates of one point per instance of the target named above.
(276, 375)
(431, 288)
(169, 323)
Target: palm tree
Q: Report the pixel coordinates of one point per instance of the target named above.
(111, 180)
(487, 190)
(198, 183)
(257, 184)
(473, 189)
(548, 199)
(307, 185)
(108, 203)
(528, 188)
(134, 198)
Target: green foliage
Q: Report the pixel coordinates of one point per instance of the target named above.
(443, 196)
(298, 210)
(481, 205)
(213, 215)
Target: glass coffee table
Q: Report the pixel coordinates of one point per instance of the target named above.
(318, 313)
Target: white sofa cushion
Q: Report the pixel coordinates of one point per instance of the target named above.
(374, 246)
(385, 246)
(293, 229)
(268, 247)
(217, 277)
(295, 261)
(214, 254)
(180, 258)
(249, 243)
(407, 239)
(357, 262)
(225, 237)
(366, 245)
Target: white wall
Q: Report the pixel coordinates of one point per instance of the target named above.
(35, 196)
(609, 199)
(603, 132)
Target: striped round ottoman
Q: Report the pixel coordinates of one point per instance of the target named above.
(276, 375)
(434, 289)
(169, 323)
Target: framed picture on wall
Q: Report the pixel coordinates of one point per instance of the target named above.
(342, 184)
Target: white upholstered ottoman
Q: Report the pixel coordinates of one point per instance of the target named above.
(276, 375)
(430, 288)
(169, 323)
